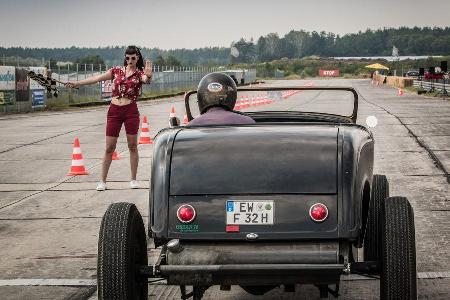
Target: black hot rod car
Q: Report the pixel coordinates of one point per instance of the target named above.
(288, 200)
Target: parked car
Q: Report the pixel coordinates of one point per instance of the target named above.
(412, 73)
(283, 201)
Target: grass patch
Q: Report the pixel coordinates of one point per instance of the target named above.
(292, 77)
(165, 93)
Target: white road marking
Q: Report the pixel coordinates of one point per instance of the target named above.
(420, 275)
(48, 282)
(93, 282)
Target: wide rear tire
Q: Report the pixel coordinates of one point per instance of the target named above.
(122, 248)
(398, 279)
(380, 191)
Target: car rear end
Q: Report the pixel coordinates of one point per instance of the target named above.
(249, 205)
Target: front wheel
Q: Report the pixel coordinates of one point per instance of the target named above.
(398, 278)
(122, 249)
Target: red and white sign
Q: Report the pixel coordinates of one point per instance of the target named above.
(329, 73)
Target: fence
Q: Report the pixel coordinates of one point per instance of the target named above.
(165, 79)
(443, 86)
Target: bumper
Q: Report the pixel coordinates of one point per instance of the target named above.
(251, 264)
(251, 274)
(254, 253)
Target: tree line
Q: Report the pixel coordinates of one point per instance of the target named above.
(295, 44)
(299, 44)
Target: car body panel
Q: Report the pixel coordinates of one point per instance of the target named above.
(262, 159)
(356, 173)
(349, 172)
(291, 218)
(291, 159)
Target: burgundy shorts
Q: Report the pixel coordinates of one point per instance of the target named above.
(119, 114)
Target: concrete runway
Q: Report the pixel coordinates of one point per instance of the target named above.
(49, 221)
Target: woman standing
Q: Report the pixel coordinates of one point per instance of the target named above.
(127, 82)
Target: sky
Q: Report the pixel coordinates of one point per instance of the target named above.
(170, 24)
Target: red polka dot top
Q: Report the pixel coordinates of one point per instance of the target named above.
(128, 87)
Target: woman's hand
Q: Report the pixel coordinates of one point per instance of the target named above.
(148, 68)
(72, 85)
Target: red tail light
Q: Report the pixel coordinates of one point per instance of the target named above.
(186, 213)
(318, 212)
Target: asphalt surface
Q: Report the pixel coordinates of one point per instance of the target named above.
(49, 221)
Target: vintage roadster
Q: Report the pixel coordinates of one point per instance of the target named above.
(288, 200)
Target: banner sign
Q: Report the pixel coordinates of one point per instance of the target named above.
(37, 91)
(7, 85)
(106, 90)
(22, 85)
(37, 98)
(329, 73)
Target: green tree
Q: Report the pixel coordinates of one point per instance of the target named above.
(159, 61)
(295, 44)
(172, 61)
(90, 59)
(247, 52)
(268, 47)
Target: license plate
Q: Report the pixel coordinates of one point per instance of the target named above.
(250, 212)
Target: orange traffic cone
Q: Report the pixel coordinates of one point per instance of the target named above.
(145, 133)
(400, 92)
(237, 106)
(185, 120)
(115, 156)
(77, 167)
(172, 113)
(245, 102)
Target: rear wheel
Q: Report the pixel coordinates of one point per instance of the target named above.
(122, 248)
(380, 191)
(398, 278)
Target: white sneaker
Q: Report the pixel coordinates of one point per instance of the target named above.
(134, 184)
(101, 186)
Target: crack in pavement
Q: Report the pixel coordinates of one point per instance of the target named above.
(58, 183)
(430, 152)
(48, 138)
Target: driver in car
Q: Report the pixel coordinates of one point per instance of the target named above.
(216, 95)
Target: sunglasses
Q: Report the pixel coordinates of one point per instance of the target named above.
(130, 57)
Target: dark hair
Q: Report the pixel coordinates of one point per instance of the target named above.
(135, 50)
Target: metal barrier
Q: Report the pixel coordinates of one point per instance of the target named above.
(165, 79)
(23, 97)
(432, 86)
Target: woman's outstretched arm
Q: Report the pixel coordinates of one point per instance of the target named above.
(94, 79)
